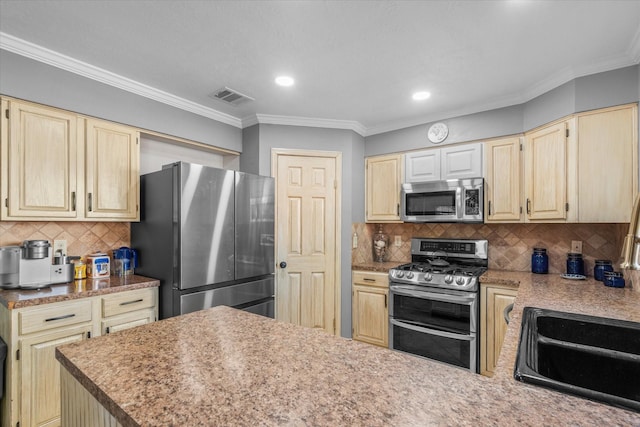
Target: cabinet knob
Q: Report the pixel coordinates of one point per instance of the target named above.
(283, 264)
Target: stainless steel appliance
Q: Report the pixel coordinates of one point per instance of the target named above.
(457, 200)
(207, 234)
(434, 301)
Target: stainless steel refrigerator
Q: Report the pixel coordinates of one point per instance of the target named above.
(208, 235)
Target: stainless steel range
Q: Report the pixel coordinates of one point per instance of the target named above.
(434, 301)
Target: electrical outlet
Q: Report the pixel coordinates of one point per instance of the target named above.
(576, 246)
(60, 245)
(397, 241)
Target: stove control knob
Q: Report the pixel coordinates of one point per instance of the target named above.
(410, 275)
(400, 274)
(448, 279)
(428, 277)
(460, 281)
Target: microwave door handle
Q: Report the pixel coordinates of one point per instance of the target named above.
(431, 331)
(435, 296)
(459, 202)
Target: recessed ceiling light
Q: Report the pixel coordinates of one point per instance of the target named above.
(284, 81)
(419, 96)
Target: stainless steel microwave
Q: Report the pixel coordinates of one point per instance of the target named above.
(454, 200)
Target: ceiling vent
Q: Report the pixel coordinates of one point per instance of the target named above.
(230, 96)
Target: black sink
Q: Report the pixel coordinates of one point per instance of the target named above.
(588, 356)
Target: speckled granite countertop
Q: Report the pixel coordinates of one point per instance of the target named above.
(17, 298)
(226, 367)
(381, 267)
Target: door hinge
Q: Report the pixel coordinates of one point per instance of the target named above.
(88, 334)
(566, 207)
(6, 202)
(567, 133)
(334, 325)
(18, 354)
(521, 146)
(6, 113)
(137, 141)
(520, 210)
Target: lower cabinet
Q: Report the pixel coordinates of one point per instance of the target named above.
(32, 375)
(494, 299)
(370, 313)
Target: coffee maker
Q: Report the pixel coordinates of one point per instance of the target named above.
(30, 266)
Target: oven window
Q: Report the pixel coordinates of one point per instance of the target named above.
(436, 203)
(444, 316)
(448, 350)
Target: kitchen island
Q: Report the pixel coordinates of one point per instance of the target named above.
(227, 367)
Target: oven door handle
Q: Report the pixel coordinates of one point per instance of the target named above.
(444, 334)
(457, 299)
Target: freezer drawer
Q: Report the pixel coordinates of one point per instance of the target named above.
(234, 295)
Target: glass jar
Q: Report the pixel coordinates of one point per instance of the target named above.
(601, 266)
(575, 264)
(380, 245)
(613, 279)
(539, 261)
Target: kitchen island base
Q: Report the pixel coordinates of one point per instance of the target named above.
(79, 407)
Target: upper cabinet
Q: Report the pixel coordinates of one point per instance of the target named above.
(59, 166)
(112, 171)
(607, 164)
(545, 171)
(502, 159)
(449, 162)
(383, 180)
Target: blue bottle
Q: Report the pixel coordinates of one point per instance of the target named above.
(539, 261)
(575, 264)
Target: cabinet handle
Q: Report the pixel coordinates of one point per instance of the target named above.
(489, 207)
(385, 301)
(132, 302)
(398, 209)
(66, 316)
(107, 330)
(528, 207)
(90, 204)
(73, 200)
(366, 279)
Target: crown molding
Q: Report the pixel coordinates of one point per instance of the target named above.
(58, 60)
(305, 121)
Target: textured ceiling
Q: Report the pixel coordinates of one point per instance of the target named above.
(356, 61)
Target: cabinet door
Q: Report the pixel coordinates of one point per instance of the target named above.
(112, 171)
(461, 161)
(40, 375)
(608, 164)
(545, 173)
(495, 300)
(422, 166)
(502, 180)
(40, 179)
(383, 188)
(370, 315)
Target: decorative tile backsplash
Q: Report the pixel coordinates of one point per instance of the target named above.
(510, 245)
(82, 238)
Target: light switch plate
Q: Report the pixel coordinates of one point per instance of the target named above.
(60, 245)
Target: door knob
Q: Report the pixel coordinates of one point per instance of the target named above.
(283, 264)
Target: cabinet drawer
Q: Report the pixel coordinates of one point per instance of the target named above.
(124, 302)
(55, 316)
(371, 278)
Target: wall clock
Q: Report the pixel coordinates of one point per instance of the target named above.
(438, 132)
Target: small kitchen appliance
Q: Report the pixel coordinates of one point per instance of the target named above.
(35, 264)
(434, 301)
(453, 200)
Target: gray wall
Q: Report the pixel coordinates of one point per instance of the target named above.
(600, 90)
(24, 78)
(351, 145)
(250, 158)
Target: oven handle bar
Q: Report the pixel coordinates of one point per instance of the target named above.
(432, 331)
(467, 300)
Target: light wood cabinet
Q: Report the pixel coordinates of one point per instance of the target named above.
(60, 166)
(607, 164)
(546, 173)
(370, 313)
(112, 171)
(32, 391)
(450, 162)
(383, 180)
(503, 180)
(494, 299)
